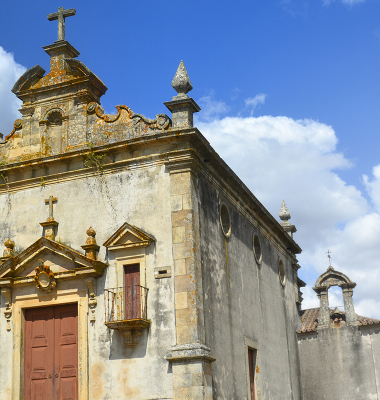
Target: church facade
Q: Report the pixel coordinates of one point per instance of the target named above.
(136, 264)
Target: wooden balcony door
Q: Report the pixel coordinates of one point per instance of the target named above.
(132, 291)
(51, 353)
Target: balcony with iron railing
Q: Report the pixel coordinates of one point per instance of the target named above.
(126, 311)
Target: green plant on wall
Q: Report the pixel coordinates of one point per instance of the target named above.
(3, 174)
(93, 160)
(4, 178)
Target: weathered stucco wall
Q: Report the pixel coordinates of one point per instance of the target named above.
(142, 198)
(248, 301)
(341, 363)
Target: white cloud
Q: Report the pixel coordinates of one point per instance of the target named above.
(10, 71)
(373, 186)
(212, 108)
(253, 102)
(297, 160)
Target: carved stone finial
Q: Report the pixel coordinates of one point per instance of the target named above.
(9, 251)
(182, 106)
(285, 216)
(91, 248)
(336, 311)
(181, 82)
(284, 212)
(91, 235)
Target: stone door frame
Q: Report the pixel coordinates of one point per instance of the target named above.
(37, 300)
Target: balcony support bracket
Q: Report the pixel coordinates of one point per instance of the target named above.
(131, 336)
(130, 330)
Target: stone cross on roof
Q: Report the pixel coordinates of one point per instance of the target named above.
(328, 252)
(50, 201)
(60, 16)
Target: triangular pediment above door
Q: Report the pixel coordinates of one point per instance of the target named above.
(128, 236)
(63, 262)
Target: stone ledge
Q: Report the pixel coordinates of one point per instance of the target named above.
(188, 352)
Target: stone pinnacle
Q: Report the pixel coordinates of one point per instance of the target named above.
(181, 81)
(284, 212)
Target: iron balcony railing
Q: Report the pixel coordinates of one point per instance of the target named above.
(125, 304)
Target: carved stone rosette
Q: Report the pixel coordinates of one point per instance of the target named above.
(7, 293)
(44, 277)
(92, 302)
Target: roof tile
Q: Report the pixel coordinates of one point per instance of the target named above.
(309, 320)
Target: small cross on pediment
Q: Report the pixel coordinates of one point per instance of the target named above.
(51, 200)
(60, 16)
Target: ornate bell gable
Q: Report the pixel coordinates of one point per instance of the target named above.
(333, 278)
(61, 112)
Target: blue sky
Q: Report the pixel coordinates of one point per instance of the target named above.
(311, 60)
(295, 82)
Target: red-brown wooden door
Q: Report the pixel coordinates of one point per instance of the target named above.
(66, 352)
(132, 291)
(51, 353)
(39, 353)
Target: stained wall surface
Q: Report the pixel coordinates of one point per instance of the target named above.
(246, 305)
(140, 197)
(341, 363)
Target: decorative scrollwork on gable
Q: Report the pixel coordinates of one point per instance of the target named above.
(16, 126)
(162, 121)
(95, 108)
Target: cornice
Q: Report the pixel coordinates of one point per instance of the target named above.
(191, 157)
(189, 160)
(82, 272)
